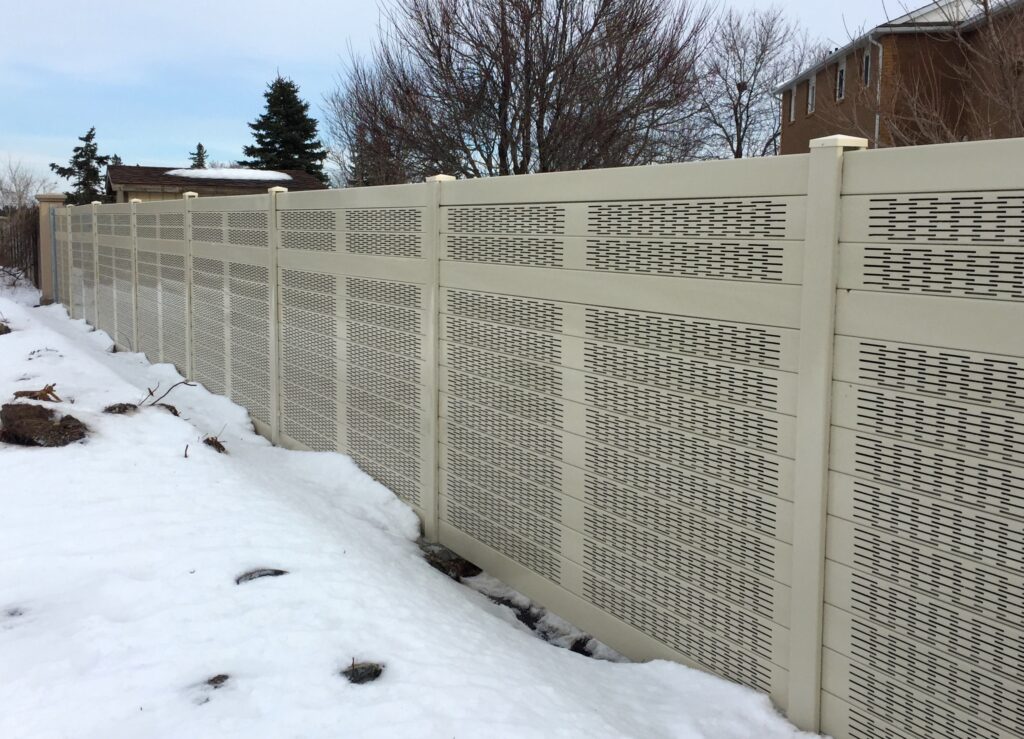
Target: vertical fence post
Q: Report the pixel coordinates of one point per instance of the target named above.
(432, 253)
(93, 208)
(135, 275)
(187, 197)
(813, 424)
(274, 243)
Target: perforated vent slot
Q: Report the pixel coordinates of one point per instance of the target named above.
(172, 226)
(985, 538)
(540, 378)
(500, 482)
(539, 408)
(518, 520)
(971, 586)
(505, 339)
(309, 240)
(693, 376)
(737, 424)
(365, 453)
(309, 371)
(384, 219)
(308, 220)
(524, 250)
(384, 244)
(906, 708)
(511, 311)
(385, 387)
(513, 430)
(933, 673)
(670, 490)
(717, 655)
(983, 485)
(249, 295)
(387, 465)
(681, 558)
(977, 431)
(980, 218)
(500, 538)
(518, 461)
(380, 291)
(694, 605)
(506, 219)
(713, 260)
(974, 378)
(752, 469)
(971, 638)
(961, 271)
(689, 218)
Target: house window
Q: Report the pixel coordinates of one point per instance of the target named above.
(810, 95)
(841, 81)
(866, 71)
(792, 104)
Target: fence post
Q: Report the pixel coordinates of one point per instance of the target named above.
(135, 275)
(47, 278)
(93, 207)
(187, 197)
(274, 242)
(813, 424)
(432, 252)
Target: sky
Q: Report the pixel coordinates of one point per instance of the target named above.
(155, 78)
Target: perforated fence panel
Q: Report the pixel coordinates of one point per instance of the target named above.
(615, 420)
(763, 417)
(358, 308)
(231, 304)
(162, 289)
(115, 274)
(924, 635)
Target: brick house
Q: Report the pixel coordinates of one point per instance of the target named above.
(861, 88)
(126, 182)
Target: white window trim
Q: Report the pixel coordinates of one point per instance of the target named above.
(811, 90)
(865, 68)
(841, 80)
(792, 103)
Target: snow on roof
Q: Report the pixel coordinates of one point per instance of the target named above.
(234, 173)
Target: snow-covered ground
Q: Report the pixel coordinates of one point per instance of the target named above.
(118, 559)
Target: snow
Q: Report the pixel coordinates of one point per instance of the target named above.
(233, 173)
(118, 598)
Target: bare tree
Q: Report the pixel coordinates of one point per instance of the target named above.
(19, 185)
(749, 55)
(958, 79)
(497, 87)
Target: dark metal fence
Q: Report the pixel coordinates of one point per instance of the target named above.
(19, 243)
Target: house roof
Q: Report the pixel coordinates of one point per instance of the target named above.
(936, 16)
(127, 175)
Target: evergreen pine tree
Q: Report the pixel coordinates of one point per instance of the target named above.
(84, 171)
(285, 134)
(115, 161)
(198, 157)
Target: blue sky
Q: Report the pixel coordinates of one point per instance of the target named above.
(156, 77)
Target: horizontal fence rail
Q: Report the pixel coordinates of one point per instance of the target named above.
(762, 417)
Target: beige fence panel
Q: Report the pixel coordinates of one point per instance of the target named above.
(115, 273)
(924, 632)
(232, 311)
(162, 289)
(357, 332)
(83, 278)
(617, 401)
